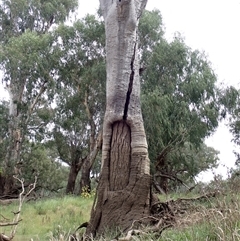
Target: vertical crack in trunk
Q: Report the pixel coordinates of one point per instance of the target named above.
(130, 85)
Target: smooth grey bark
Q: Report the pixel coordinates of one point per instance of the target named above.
(16, 130)
(20, 115)
(123, 194)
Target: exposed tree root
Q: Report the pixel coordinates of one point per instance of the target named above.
(164, 215)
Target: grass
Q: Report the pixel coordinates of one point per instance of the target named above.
(46, 219)
(213, 219)
(217, 219)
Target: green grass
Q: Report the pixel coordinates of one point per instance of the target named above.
(216, 219)
(47, 218)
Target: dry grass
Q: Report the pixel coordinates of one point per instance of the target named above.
(198, 218)
(217, 219)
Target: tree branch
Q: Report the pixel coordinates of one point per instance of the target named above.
(179, 139)
(171, 177)
(41, 91)
(17, 214)
(10, 224)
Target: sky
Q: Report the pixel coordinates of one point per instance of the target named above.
(211, 26)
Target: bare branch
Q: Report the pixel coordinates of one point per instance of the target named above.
(4, 217)
(10, 224)
(172, 177)
(41, 91)
(3, 237)
(17, 214)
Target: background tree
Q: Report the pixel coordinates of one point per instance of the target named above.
(3, 138)
(39, 159)
(52, 175)
(28, 65)
(67, 64)
(81, 97)
(179, 97)
(183, 164)
(85, 40)
(230, 109)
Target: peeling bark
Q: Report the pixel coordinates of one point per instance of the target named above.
(123, 194)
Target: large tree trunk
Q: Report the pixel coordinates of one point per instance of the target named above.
(123, 194)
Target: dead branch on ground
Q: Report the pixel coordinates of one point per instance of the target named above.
(16, 219)
(164, 215)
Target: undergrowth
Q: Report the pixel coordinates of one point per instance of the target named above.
(209, 218)
(47, 219)
(218, 219)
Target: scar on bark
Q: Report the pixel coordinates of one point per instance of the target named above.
(130, 85)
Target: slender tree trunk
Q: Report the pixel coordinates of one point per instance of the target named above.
(15, 131)
(96, 144)
(123, 194)
(162, 168)
(75, 167)
(85, 183)
(74, 170)
(2, 183)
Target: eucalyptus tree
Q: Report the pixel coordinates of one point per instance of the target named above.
(180, 95)
(182, 165)
(123, 193)
(27, 61)
(52, 175)
(80, 100)
(230, 109)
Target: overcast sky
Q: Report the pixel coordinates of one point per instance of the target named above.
(208, 25)
(211, 26)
